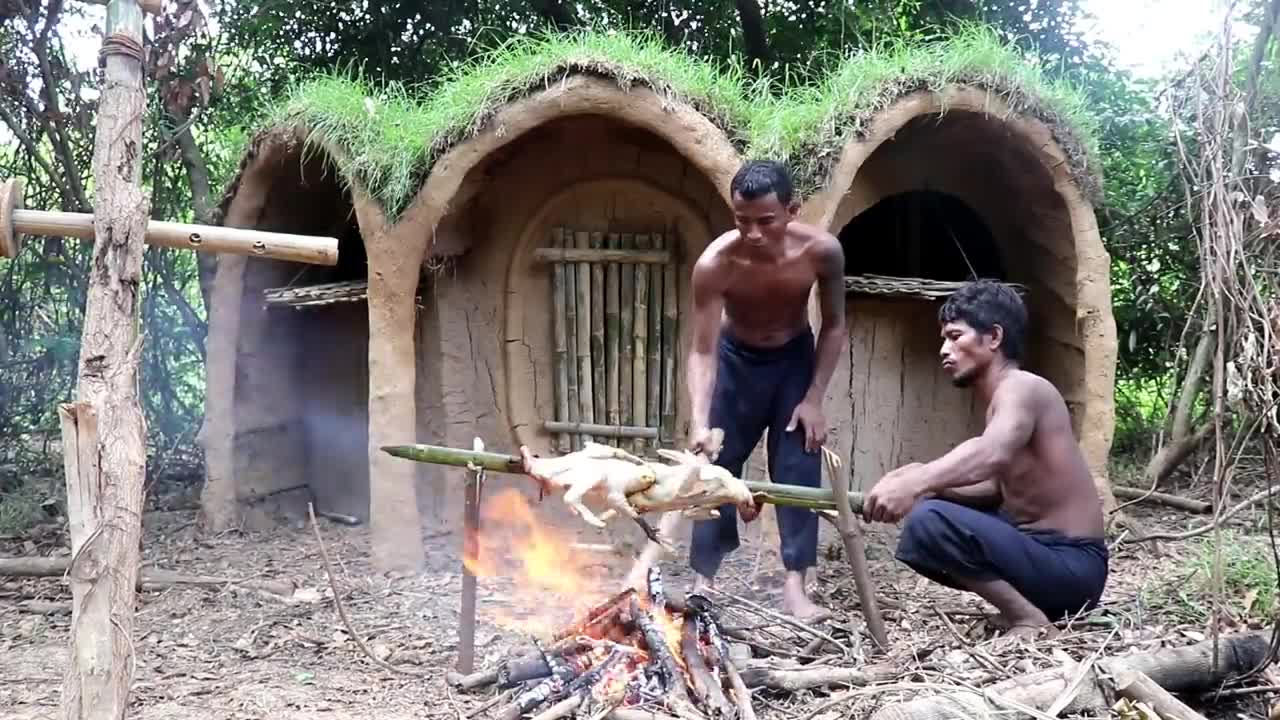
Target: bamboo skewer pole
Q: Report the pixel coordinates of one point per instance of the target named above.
(560, 358)
(769, 492)
(586, 399)
(639, 357)
(571, 341)
(626, 340)
(597, 333)
(15, 222)
(653, 369)
(612, 329)
(670, 346)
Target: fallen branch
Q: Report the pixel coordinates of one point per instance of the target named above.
(1138, 687)
(1191, 668)
(1253, 499)
(792, 680)
(1174, 501)
(148, 579)
(342, 610)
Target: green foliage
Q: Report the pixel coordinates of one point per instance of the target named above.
(1248, 580)
(387, 138)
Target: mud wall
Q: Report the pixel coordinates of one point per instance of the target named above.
(484, 358)
(887, 419)
(299, 409)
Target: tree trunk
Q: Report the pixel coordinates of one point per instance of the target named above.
(754, 41)
(201, 201)
(104, 432)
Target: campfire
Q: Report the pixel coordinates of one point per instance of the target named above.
(635, 649)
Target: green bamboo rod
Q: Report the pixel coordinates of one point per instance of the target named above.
(771, 493)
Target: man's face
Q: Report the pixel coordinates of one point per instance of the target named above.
(965, 352)
(761, 221)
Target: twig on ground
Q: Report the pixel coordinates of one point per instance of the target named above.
(784, 619)
(1195, 532)
(982, 655)
(342, 611)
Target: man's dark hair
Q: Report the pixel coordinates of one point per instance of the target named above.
(982, 305)
(757, 178)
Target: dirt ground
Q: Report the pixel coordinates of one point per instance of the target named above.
(235, 652)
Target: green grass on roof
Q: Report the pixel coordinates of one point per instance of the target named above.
(388, 138)
(810, 124)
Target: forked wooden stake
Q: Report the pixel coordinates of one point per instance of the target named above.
(16, 221)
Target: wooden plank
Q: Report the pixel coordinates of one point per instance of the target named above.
(597, 334)
(640, 345)
(586, 399)
(600, 255)
(653, 369)
(571, 341)
(670, 347)
(613, 294)
(560, 356)
(626, 341)
(601, 431)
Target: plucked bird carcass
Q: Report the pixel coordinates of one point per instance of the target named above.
(622, 483)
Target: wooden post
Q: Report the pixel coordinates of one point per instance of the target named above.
(612, 329)
(626, 327)
(653, 373)
(561, 357)
(586, 398)
(670, 345)
(597, 334)
(470, 549)
(571, 339)
(640, 349)
(104, 432)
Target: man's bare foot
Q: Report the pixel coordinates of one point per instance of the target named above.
(797, 603)
(702, 584)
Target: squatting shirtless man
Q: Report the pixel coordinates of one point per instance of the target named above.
(754, 365)
(1012, 514)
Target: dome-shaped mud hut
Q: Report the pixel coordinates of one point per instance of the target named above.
(518, 272)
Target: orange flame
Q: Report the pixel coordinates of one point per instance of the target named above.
(550, 579)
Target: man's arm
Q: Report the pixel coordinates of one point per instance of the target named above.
(833, 337)
(983, 494)
(707, 306)
(986, 457)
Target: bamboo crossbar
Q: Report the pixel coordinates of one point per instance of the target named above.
(599, 430)
(601, 255)
(771, 493)
(311, 249)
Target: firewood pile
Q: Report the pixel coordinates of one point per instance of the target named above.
(637, 649)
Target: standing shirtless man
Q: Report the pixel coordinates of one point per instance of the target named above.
(754, 366)
(1012, 514)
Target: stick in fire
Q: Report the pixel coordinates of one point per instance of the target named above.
(634, 649)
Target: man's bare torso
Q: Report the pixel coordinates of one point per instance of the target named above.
(766, 290)
(1048, 485)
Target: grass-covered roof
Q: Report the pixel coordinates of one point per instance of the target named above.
(388, 137)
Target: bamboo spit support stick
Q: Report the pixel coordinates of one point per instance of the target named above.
(772, 493)
(16, 222)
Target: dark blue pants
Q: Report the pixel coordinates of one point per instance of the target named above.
(946, 541)
(756, 390)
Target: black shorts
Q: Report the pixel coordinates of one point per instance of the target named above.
(1060, 575)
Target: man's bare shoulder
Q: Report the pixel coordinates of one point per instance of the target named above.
(819, 244)
(709, 266)
(1027, 388)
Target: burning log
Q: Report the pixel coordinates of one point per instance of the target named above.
(636, 648)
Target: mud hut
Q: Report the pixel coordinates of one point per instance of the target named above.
(515, 251)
